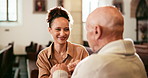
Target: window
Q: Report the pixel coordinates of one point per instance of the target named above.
(89, 5)
(8, 10)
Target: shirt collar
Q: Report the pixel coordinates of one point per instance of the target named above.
(69, 49)
(119, 47)
(50, 49)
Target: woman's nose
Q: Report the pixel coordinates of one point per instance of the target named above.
(62, 33)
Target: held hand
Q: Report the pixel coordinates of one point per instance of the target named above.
(71, 66)
(59, 67)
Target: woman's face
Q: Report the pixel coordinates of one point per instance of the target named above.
(60, 30)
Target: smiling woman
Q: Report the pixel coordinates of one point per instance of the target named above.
(61, 50)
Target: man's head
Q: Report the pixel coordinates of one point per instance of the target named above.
(103, 25)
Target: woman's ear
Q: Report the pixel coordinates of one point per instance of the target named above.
(49, 29)
(97, 32)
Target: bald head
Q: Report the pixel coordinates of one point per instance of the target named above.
(103, 25)
(106, 16)
(109, 19)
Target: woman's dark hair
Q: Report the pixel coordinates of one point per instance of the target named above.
(58, 12)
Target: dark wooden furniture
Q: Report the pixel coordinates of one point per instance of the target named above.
(142, 50)
(32, 69)
(6, 61)
(32, 51)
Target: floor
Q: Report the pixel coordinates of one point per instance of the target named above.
(23, 67)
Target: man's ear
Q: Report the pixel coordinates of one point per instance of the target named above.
(97, 32)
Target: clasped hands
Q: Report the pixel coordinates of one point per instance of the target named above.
(68, 68)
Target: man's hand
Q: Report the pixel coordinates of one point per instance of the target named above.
(59, 67)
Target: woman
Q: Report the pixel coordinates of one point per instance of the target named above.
(60, 51)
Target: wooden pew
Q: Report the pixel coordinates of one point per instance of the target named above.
(32, 69)
(35, 48)
(32, 52)
(6, 61)
(142, 51)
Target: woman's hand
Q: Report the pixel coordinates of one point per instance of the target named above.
(71, 66)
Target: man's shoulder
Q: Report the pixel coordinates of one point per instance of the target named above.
(97, 60)
(92, 64)
(90, 60)
(93, 58)
(88, 66)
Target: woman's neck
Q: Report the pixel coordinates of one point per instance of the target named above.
(60, 47)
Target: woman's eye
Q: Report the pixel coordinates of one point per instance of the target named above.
(58, 29)
(66, 29)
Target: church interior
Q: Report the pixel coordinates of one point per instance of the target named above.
(24, 30)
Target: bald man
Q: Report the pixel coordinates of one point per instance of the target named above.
(116, 57)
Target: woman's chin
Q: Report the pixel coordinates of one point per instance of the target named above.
(62, 42)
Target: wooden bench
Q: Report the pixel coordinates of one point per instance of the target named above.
(32, 51)
(6, 61)
(142, 50)
(32, 69)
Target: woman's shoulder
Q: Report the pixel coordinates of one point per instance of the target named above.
(44, 51)
(76, 45)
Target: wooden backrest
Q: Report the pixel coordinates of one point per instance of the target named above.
(32, 69)
(7, 57)
(142, 50)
